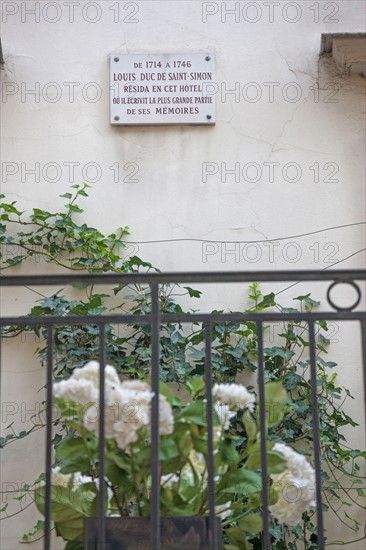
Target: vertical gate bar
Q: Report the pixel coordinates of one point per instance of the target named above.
(262, 418)
(101, 494)
(155, 442)
(363, 344)
(316, 437)
(213, 543)
(49, 375)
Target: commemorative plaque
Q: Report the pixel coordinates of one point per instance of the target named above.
(152, 89)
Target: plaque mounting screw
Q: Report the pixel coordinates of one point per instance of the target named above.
(116, 59)
(208, 58)
(208, 117)
(116, 118)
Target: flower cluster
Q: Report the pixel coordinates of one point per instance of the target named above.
(294, 487)
(231, 398)
(83, 385)
(183, 453)
(127, 404)
(236, 396)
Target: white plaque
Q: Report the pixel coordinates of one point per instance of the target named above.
(163, 89)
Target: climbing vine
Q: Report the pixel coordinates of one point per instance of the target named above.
(60, 239)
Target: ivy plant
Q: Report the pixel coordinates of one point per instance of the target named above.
(63, 239)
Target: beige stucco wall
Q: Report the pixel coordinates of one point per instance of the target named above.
(288, 108)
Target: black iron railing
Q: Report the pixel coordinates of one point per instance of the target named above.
(155, 319)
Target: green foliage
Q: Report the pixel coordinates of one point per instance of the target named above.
(61, 239)
(58, 238)
(36, 532)
(70, 505)
(183, 469)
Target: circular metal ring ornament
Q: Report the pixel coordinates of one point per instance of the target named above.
(347, 282)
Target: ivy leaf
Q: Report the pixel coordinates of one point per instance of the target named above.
(276, 351)
(30, 537)
(323, 325)
(308, 301)
(41, 215)
(14, 261)
(197, 354)
(75, 208)
(193, 293)
(268, 301)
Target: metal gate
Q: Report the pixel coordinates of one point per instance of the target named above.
(155, 319)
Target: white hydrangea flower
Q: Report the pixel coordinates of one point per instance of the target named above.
(144, 395)
(125, 434)
(90, 371)
(83, 384)
(134, 413)
(236, 396)
(295, 487)
(81, 391)
(135, 385)
(225, 414)
(113, 412)
(127, 404)
(61, 480)
(223, 511)
(139, 415)
(80, 479)
(166, 418)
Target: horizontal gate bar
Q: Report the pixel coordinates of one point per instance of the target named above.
(185, 277)
(183, 318)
